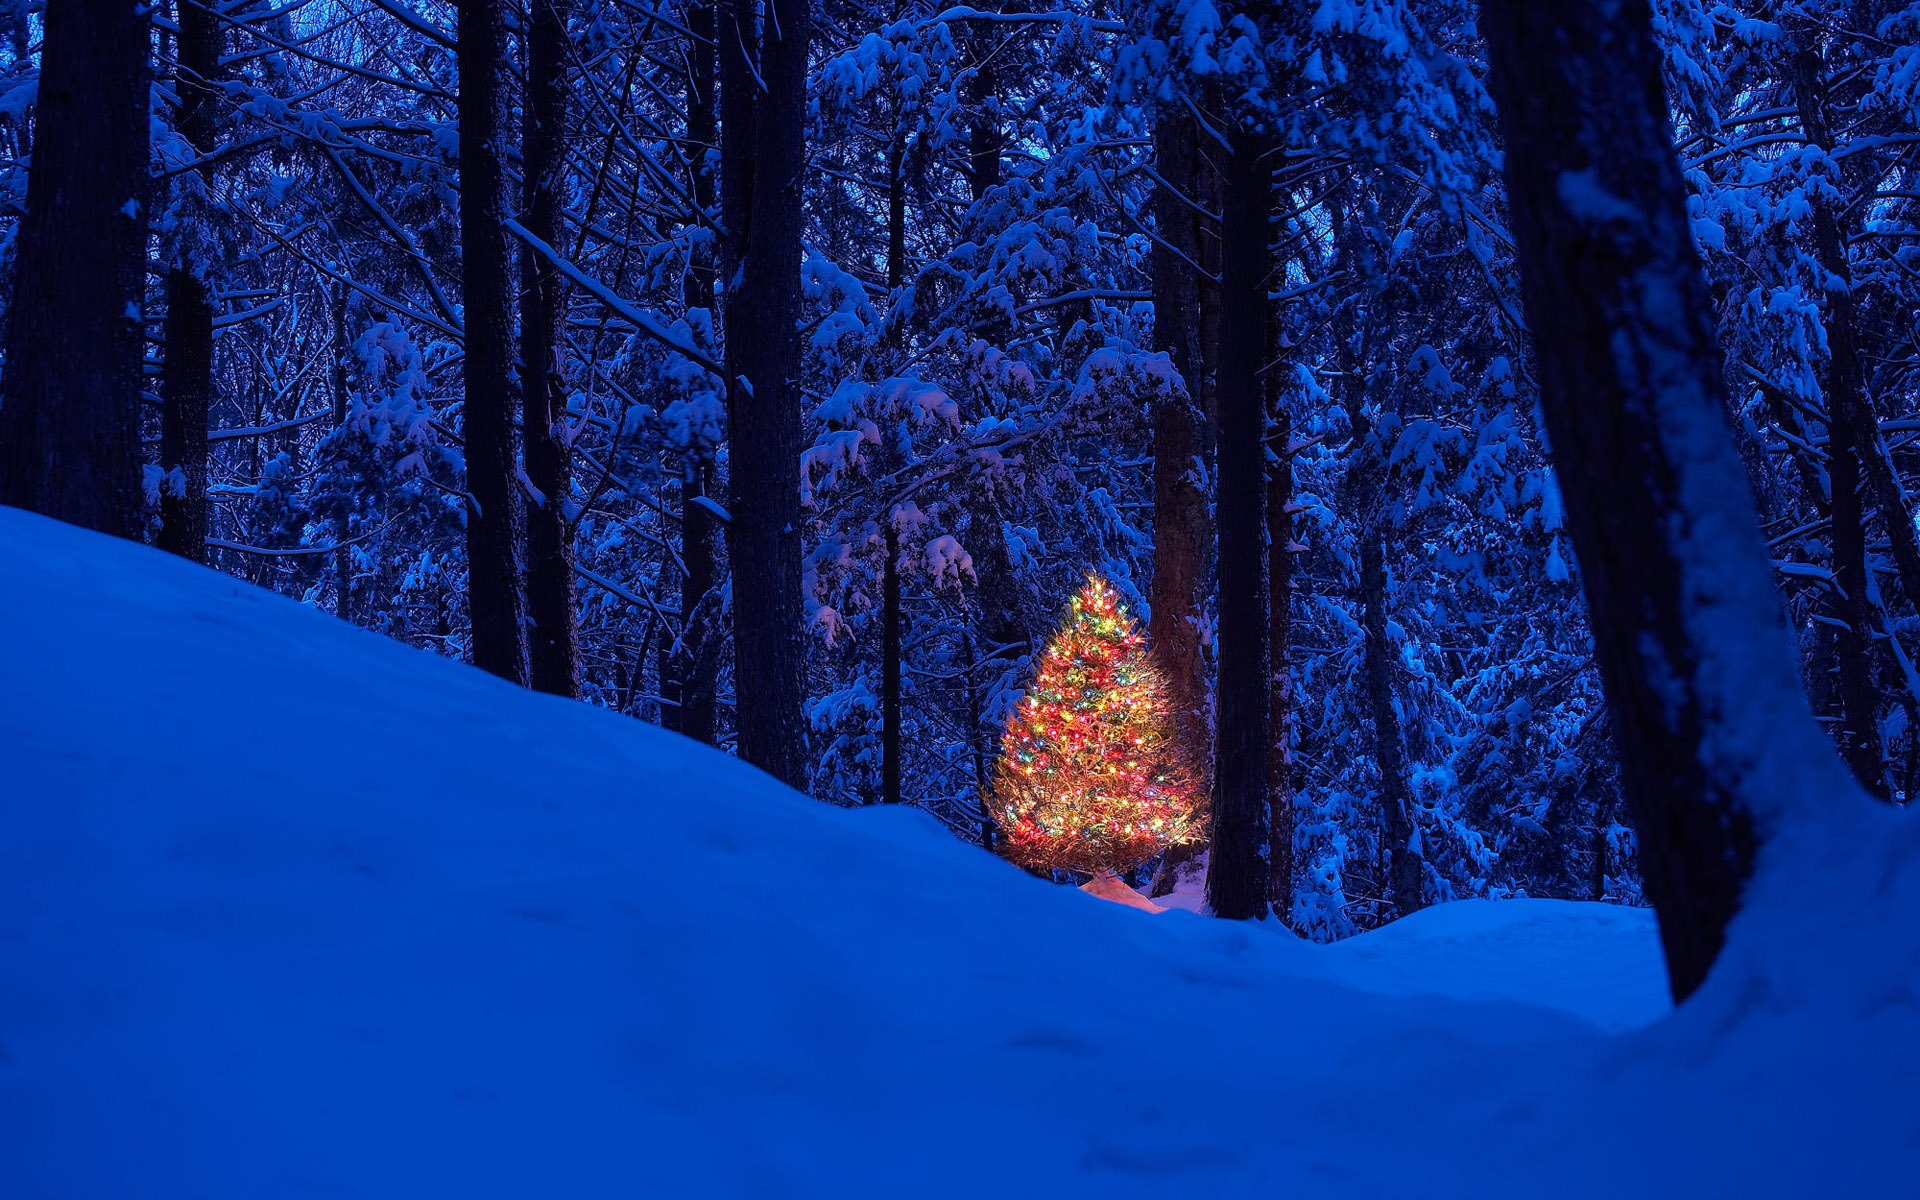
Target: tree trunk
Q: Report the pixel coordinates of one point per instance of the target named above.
(1857, 733)
(976, 738)
(1597, 881)
(1852, 438)
(1237, 864)
(1279, 638)
(186, 381)
(696, 666)
(739, 54)
(890, 615)
(554, 635)
(1709, 718)
(691, 670)
(763, 350)
(985, 140)
(1002, 624)
(896, 217)
(1855, 407)
(1181, 535)
(890, 668)
(70, 409)
(337, 385)
(1406, 877)
(1365, 479)
(496, 605)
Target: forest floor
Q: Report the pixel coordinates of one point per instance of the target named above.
(288, 909)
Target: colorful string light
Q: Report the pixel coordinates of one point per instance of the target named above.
(1091, 775)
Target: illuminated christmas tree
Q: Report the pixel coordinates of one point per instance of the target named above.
(1091, 775)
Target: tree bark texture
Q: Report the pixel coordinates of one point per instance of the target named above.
(338, 392)
(1237, 886)
(691, 678)
(496, 604)
(1852, 441)
(763, 350)
(1694, 655)
(890, 784)
(186, 379)
(1279, 639)
(1182, 534)
(70, 401)
(554, 631)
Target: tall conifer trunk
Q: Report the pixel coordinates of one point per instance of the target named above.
(891, 617)
(1279, 638)
(338, 392)
(1182, 536)
(1237, 886)
(186, 380)
(70, 399)
(890, 740)
(1708, 714)
(554, 634)
(1405, 876)
(1852, 441)
(763, 357)
(692, 666)
(1001, 637)
(496, 605)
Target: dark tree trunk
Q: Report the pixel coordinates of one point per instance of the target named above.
(496, 605)
(890, 668)
(1182, 537)
(554, 633)
(1186, 327)
(897, 215)
(763, 352)
(1364, 483)
(1854, 407)
(1405, 875)
(703, 134)
(738, 39)
(186, 394)
(890, 615)
(976, 739)
(1852, 439)
(186, 381)
(701, 694)
(1685, 618)
(695, 665)
(986, 142)
(1279, 639)
(691, 666)
(1597, 881)
(337, 384)
(1237, 863)
(1002, 623)
(1857, 733)
(70, 408)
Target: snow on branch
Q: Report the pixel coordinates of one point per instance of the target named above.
(642, 320)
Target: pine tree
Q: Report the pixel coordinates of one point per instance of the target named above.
(1092, 774)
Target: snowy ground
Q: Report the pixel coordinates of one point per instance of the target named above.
(287, 909)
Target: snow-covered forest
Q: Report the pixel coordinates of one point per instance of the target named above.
(1476, 441)
(998, 210)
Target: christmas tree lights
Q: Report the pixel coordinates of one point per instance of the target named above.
(1091, 775)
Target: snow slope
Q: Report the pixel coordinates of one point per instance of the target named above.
(287, 909)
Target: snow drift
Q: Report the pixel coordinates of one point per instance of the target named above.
(286, 908)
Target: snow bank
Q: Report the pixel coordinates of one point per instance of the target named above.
(286, 908)
(1597, 961)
